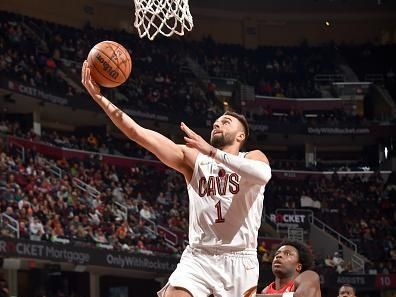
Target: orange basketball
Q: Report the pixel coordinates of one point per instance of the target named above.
(110, 64)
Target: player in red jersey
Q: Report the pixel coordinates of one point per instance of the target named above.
(293, 277)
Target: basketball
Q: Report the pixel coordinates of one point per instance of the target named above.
(110, 64)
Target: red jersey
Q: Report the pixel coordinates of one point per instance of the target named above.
(270, 289)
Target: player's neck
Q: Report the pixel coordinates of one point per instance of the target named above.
(281, 282)
(231, 149)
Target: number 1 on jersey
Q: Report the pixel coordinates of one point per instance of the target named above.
(219, 216)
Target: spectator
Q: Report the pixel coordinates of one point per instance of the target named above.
(264, 253)
(336, 262)
(99, 236)
(92, 140)
(147, 212)
(24, 202)
(36, 229)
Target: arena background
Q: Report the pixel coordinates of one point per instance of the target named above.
(315, 78)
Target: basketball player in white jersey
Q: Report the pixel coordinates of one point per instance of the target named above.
(225, 190)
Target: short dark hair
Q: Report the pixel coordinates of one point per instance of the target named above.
(305, 256)
(349, 286)
(241, 118)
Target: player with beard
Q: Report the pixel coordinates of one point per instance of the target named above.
(226, 193)
(293, 278)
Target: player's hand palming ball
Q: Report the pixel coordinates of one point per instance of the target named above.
(110, 64)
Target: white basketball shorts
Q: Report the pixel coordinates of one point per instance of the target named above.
(213, 271)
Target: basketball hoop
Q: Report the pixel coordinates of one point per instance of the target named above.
(167, 17)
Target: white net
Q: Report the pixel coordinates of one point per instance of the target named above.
(167, 17)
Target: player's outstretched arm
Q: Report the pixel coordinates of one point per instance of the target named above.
(254, 167)
(166, 150)
(307, 284)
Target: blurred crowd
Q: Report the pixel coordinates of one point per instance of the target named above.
(97, 142)
(49, 56)
(373, 63)
(274, 71)
(362, 208)
(129, 202)
(107, 143)
(23, 59)
(118, 216)
(291, 116)
(158, 84)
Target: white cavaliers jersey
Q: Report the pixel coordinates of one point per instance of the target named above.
(225, 209)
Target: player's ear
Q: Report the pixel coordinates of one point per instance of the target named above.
(241, 137)
(299, 267)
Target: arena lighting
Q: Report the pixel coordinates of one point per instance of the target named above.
(386, 152)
